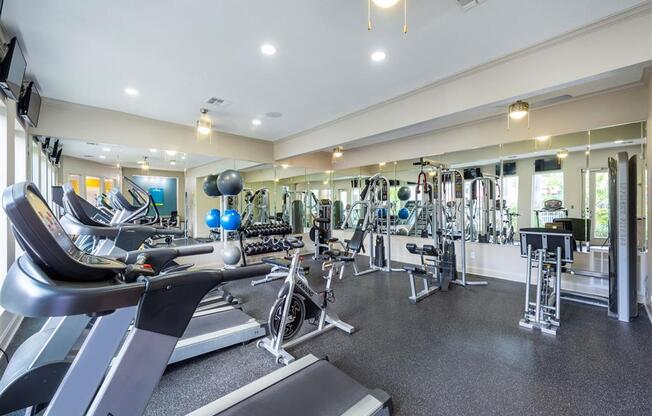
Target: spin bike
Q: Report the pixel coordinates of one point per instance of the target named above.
(296, 303)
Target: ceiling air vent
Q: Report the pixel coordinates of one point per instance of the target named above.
(218, 102)
(468, 4)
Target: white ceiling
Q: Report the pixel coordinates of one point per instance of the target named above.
(129, 156)
(177, 53)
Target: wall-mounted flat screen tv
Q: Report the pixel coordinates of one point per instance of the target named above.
(549, 163)
(29, 106)
(12, 70)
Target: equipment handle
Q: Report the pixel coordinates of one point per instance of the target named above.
(245, 272)
(195, 250)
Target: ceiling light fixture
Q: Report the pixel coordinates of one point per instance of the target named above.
(145, 164)
(326, 182)
(284, 166)
(106, 149)
(542, 138)
(381, 164)
(132, 92)
(153, 150)
(171, 152)
(517, 111)
(619, 141)
(268, 49)
(204, 124)
(102, 157)
(338, 152)
(255, 122)
(386, 4)
(562, 154)
(173, 162)
(378, 56)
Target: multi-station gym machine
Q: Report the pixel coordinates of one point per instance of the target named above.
(375, 223)
(548, 251)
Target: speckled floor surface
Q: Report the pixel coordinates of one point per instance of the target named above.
(455, 353)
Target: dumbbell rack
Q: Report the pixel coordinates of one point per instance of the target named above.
(266, 234)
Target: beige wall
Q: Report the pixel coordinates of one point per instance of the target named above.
(611, 108)
(181, 188)
(75, 166)
(73, 121)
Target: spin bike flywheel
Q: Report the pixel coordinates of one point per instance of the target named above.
(296, 316)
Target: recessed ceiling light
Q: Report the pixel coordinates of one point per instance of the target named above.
(153, 150)
(285, 166)
(106, 149)
(141, 162)
(173, 162)
(171, 152)
(619, 141)
(102, 157)
(542, 138)
(268, 49)
(381, 164)
(255, 122)
(131, 91)
(183, 157)
(378, 56)
(385, 3)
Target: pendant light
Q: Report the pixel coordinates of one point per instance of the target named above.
(386, 4)
(517, 111)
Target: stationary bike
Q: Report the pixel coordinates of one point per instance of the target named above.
(296, 303)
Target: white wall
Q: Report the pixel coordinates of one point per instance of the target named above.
(648, 157)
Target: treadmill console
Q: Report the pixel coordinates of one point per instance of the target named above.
(43, 238)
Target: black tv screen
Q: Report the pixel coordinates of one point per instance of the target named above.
(472, 173)
(551, 163)
(29, 106)
(509, 168)
(12, 70)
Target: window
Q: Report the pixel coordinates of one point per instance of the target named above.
(20, 150)
(92, 188)
(601, 205)
(36, 152)
(355, 195)
(326, 194)
(344, 197)
(108, 185)
(547, 186)
(74, 181)
(510, 193)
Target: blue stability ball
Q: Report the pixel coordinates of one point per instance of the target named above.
(213, 218)
(230, 182)
(231, 220)
(403, 213)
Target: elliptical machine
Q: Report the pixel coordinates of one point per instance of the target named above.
(296, 303)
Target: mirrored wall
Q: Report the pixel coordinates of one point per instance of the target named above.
(548, 181)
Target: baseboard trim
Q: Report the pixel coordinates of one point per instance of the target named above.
(9, 324)
(648, 309)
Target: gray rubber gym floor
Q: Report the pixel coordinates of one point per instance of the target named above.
(456, 353)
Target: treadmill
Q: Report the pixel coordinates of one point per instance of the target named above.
(54, 278)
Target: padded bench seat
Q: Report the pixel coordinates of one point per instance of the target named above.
(337, 255)
(414, 269)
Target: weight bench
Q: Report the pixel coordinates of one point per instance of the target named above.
(427, 277)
